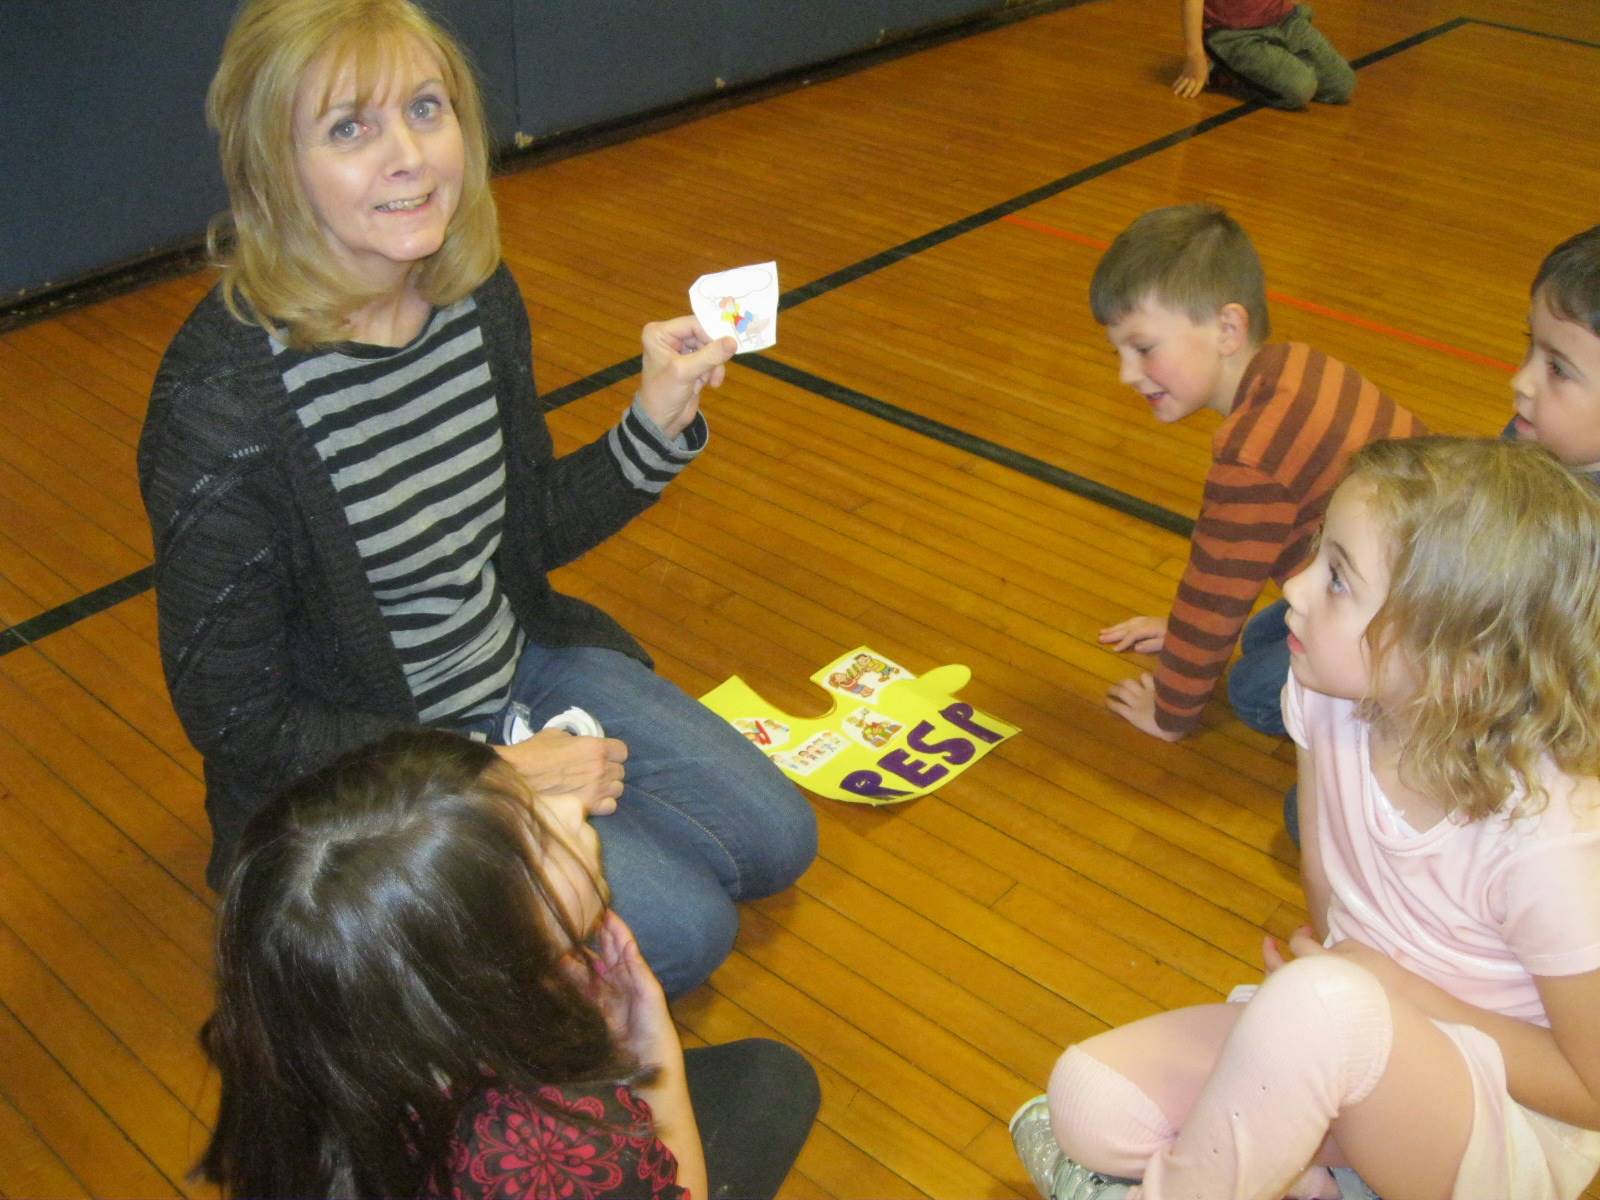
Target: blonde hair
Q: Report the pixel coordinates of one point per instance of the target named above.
(1494, 601)
(1191, 258)
(272, 253)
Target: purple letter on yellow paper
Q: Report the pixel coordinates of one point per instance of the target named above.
(890, 736)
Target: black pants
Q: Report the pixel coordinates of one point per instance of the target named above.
(754, 1101)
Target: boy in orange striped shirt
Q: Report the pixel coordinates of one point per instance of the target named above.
(1183, 299)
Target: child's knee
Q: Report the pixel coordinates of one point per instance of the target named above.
(1324, 1000)
(1292, 89)
(1336, 86)
(1102, 1119)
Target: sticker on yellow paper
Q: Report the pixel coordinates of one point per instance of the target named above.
(890, 736)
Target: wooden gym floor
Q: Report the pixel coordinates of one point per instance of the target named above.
(904, 469)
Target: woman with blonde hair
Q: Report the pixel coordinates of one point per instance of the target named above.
(355, 500)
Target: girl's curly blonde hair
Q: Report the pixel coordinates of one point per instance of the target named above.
(1494, 600)
(276, 270)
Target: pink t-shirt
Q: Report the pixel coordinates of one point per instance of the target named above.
(1476, 907)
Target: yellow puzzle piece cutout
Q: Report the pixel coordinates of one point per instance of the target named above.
(891, 736)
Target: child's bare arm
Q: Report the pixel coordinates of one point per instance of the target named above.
(1554, 1071)
(1570, 1001)
(1191, 80)
(1313, 880)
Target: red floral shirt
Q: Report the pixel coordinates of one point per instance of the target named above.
(505, 1147)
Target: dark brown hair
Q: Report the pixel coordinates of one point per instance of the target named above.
(385, 943)
(1569, 277)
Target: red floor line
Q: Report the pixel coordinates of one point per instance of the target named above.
(1321, 310)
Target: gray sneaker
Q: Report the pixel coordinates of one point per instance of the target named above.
(1036, 1144)
(1074, 1181)
(1352, 1186)
(1055, 1175)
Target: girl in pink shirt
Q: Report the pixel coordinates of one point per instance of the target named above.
(1438, 1031)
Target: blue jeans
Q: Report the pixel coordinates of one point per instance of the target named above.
(1255, 687)
(704, 818)
(1255, 682)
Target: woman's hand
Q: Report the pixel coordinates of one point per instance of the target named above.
(554, 762)
(679, 360)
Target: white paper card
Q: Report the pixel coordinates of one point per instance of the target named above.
(741, 303)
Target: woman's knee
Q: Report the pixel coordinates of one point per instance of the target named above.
(790, 846)
(774, 837)
(688, 939)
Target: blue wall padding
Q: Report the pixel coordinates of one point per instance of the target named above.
(105, 158)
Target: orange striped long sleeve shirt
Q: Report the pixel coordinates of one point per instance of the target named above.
(1297, 417)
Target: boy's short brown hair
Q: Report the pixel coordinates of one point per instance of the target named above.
(1570, 279)
(1191, 258)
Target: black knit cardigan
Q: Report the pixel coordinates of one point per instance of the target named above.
(274, 649)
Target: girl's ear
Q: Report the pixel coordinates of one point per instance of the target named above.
(1233, 324)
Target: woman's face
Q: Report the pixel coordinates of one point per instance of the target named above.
(383, 177)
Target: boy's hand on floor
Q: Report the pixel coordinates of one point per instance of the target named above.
(1134, 700)
(1191, 81)
(1145, 635)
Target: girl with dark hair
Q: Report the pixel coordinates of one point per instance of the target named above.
(422, 991)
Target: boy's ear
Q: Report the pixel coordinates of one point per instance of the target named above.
(1233, 322)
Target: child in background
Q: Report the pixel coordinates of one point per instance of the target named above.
(1445, 698)
(1184, 301)
(1270, 46)
(408, 1004)
(1557, 388)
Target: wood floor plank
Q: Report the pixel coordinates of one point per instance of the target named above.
(125, 1089)
(29, 792)
(159, 1029)
(93, 1147)
(29, 1168)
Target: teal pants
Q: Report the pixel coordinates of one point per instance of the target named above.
(1287, 65)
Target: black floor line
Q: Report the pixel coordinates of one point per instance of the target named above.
(55, 619)
(1035, 468)
(1538, 33)
(616, 372)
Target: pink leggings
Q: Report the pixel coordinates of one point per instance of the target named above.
(1250, 1102)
